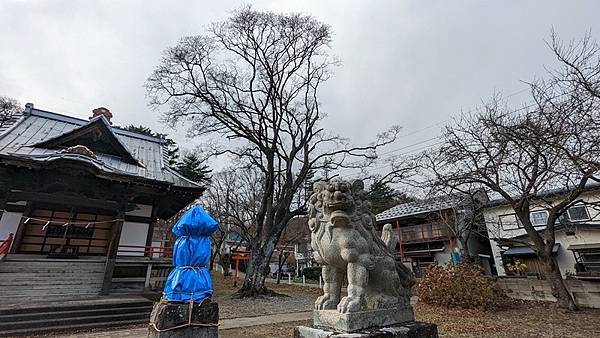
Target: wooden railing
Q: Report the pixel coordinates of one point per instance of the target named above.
(5, 245)
(145, 251)
(423, 232)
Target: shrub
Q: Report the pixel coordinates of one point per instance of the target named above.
(461, 285)
(312, 272)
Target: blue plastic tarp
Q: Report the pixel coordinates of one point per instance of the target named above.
(190, 279)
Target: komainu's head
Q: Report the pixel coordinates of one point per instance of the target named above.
(337, 201)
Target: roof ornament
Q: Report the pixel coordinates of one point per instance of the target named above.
(79, 149)
(101, 111)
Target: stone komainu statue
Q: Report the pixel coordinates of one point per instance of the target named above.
(344, 241)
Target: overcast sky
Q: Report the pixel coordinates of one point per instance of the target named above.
(409, 63)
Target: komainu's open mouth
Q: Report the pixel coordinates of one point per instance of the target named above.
(339, 218)
(332, 206)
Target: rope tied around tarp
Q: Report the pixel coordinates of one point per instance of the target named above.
(188, 324)
(191, 267)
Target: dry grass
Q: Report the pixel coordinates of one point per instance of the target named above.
(524, 320)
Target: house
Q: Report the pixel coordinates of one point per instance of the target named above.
(83, 197)
(427, 231)
(577, 247)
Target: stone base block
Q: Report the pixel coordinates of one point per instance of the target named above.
(171, 319)
(356, 321)
(406, 330)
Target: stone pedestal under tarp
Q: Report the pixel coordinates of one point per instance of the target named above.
(186, 309)
(178, 320)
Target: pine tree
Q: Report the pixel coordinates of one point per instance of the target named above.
(383, 197)
(193, 168)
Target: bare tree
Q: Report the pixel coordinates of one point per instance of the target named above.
(551, 146)
(464, 219)
(233, 197)
(10, 111)
(254, 79)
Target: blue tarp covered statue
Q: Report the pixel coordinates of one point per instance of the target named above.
(190, 279)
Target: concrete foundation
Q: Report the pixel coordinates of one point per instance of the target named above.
(585, 293)
(174, 320)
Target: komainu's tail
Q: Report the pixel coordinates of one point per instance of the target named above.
(388, 236)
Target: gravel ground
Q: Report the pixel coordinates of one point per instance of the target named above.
(522, 319)
(283, 330)
(294, 299)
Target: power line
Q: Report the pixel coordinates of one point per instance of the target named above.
(441, 136)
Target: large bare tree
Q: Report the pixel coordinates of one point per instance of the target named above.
(551, 145)
(254, 80)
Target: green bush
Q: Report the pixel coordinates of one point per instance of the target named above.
(462, 285)
(312, 272)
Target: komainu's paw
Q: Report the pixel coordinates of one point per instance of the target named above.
(349, 304)
(325, 302)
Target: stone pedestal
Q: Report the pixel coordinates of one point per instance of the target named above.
(392, 323)
(406, 330)
(356, 321)
(172, 320)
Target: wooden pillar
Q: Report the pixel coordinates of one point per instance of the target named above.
(21, 228)
(147, 284)
(111, 256)
(150, 235)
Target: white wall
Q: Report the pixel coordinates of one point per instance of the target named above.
(564, 257)
(9, 223)
(133, 233)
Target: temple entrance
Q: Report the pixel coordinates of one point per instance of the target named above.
(65, 233)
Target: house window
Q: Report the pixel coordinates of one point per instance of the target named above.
(509, 222)
(578, 213)
(538, 218)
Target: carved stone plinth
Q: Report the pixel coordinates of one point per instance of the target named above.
(356, 321)
(406, 330)
(172, 320)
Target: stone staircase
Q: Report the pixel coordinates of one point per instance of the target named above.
(30, 279)
(73, 315)
(40, 295)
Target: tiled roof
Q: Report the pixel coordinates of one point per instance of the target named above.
(37, 126)
(419, 207)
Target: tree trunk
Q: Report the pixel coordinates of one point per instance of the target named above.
(211, 263)
(557, 284)
(258, 269)
(279, 266)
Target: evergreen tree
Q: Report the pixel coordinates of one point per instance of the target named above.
(383, 197)
(193, 168)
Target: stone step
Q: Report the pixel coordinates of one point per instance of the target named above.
(34, 268)
(13, 268)
(88, 312)
(62, 289)
(45, 322)
(42, 281)
(78, 304)
(47, 329)
(46, 295)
